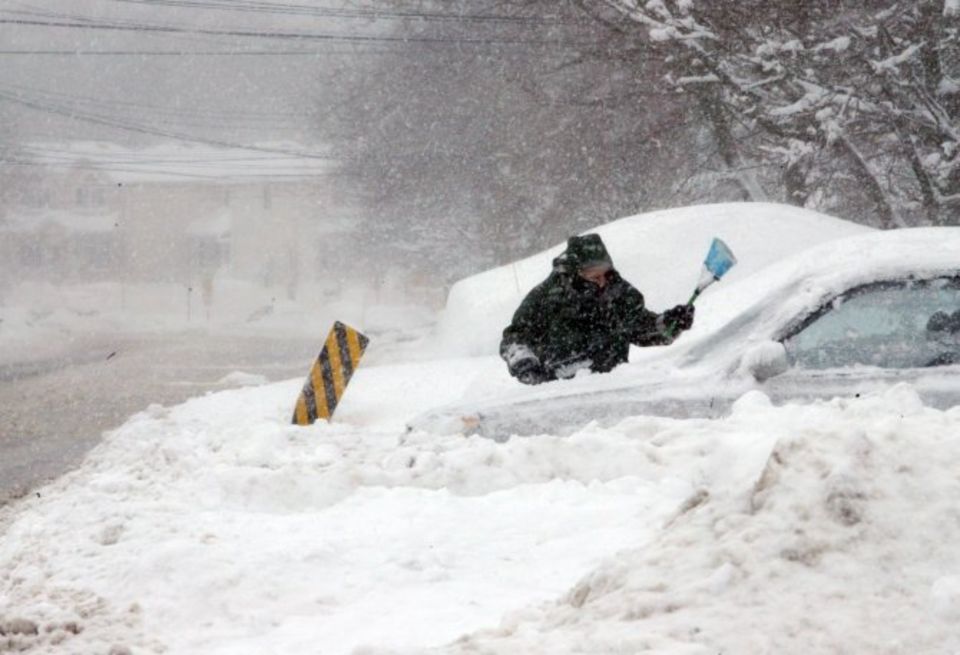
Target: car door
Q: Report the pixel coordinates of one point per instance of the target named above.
(874, 336)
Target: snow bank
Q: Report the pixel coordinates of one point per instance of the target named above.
(659, 252)
(841, 541)
(216, 527)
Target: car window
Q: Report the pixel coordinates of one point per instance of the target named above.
(892, 325)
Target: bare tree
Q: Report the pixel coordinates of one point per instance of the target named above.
(833, 102)
(477, 154)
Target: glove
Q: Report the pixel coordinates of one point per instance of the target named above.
(568, 370)
(680, 317)
(528, 371)
(523, 364)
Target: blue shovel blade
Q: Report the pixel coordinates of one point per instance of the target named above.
(720, 259)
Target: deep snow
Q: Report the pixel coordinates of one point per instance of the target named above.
(840, 542)
(217, 527)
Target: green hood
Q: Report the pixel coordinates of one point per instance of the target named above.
(581, 253)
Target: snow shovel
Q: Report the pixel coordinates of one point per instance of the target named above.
(719, 260)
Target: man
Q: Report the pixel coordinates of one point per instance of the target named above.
(583, 316)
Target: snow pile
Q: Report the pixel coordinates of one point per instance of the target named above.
(660, 252)
(217, 527)
(843, 541)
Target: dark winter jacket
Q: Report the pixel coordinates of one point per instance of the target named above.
(567, 320)
(944, 323)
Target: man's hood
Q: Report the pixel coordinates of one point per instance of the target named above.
(582, 252)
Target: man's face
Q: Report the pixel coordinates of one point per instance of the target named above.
(596, 275)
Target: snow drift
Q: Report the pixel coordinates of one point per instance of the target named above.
(215, 527)
(840, 540)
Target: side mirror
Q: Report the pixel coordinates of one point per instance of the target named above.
(765, 360)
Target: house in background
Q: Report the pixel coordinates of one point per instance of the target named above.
(98, 211)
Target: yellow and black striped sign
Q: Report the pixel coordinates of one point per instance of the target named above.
(330, 374)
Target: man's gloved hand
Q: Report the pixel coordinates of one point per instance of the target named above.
(523, 364)
(681, 317)
(528, 371)
(570, 369)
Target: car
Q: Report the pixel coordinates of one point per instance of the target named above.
(851, 316)
(659, 252)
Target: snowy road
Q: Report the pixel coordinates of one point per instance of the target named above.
(54, 409)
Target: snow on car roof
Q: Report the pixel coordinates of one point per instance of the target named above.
(750, 309)
(660, 252)
(759, 307)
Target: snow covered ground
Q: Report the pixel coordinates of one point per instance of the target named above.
(216, 527)
(36, 318)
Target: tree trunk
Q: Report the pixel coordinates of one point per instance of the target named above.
(927, 191)
(795, 183)
(930, 33)
(861, 171)
(712, 106)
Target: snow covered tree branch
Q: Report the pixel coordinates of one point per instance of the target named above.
(872, 93)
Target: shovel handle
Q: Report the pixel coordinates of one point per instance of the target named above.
(673, 326)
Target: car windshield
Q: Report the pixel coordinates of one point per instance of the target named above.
(902, 324)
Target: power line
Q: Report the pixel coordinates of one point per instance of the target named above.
(192, 112)
(47, 13)
(200, 53)
(142, 129)
(166, 117)
(112, 169)
(152, 167)
(331, 12)
(33, 164)
(112, 155)
(305, 36)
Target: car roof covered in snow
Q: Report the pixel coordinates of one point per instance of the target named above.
(736, 314)
(761, 306)
(660, 252)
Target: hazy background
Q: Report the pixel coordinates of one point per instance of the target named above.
(439, 138)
